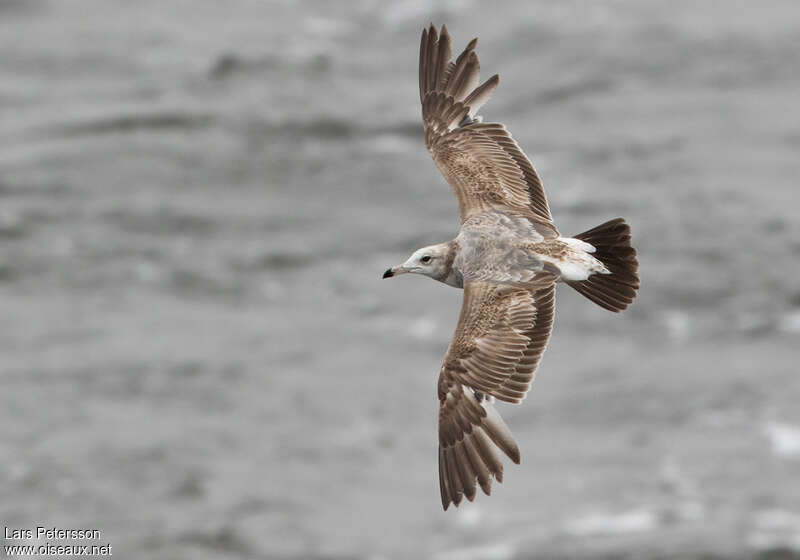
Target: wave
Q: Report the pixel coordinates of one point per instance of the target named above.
(134, 122)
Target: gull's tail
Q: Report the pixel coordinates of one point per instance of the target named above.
(612, 243)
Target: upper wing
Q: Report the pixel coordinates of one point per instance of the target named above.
(501, 335)
(481, 161)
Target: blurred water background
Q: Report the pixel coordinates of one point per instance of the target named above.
(198, 356)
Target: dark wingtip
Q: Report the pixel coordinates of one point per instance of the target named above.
(388, 273)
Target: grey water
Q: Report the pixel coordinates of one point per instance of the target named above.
(198, 356)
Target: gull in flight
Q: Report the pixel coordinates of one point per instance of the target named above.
(507, 257)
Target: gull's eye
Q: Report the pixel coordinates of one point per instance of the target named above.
(425, 259)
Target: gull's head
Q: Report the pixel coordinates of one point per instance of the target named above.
(433, 261)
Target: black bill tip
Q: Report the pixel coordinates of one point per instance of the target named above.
(388, 273)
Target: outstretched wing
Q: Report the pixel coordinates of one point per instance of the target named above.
(481, 161)
(501, 335)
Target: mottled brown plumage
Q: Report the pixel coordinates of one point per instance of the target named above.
(507, 257)
(481, 161)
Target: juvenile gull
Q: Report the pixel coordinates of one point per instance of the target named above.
(507, 257)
